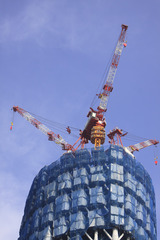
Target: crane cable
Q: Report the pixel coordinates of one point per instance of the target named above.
(103, 79)
(57, 126)
(133, 137)
(155, 155)
(12, 121)
(51, 124)
(105, 74)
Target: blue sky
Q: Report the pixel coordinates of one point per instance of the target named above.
(53, 54)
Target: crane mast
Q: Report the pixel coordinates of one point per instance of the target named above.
(95, 127)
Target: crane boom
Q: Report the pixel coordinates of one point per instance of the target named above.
(139, 146)
(51, 135)
(115, 138)
(96, 118)
(108, 87)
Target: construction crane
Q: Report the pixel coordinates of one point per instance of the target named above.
(114, 135)
(141, 145)
(115, 139)
(94, 129)
(51, 135)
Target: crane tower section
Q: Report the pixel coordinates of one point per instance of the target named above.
(96, 122)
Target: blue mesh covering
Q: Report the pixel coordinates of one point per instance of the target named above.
(130, 183)
(50, 192)
(97, 197)
(62, 203)
(116, 194)
(78, 222)
(116, 173)
(130, 205)
(47, 215)
(130, 224)
(79, 199)
(45, 234)
(141, 214)
(60, 226)
(96, 219)
(64, 181)
(90, 190)
(117, 215)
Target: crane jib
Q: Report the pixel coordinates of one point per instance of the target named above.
(93, 119)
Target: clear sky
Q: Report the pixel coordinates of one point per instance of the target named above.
(52, 57)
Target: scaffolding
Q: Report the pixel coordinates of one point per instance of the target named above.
(91, 195)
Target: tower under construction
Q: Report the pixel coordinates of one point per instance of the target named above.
(91, 195)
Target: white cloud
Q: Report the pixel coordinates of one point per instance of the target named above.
(58, 23)
(27, 23)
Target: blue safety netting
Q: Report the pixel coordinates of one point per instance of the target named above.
(90, 190)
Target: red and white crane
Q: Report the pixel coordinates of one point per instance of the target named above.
(115, 138)
(141, 145)
(94, 129)
(51, 135)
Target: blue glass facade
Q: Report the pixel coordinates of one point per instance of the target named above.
(90, 190)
